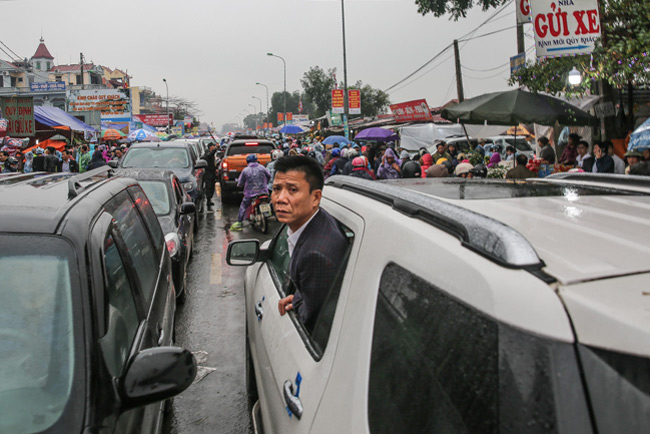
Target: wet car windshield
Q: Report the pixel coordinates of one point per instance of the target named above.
(158, 195)
(166, 158)
(37, 333)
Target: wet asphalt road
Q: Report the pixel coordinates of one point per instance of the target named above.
(211, 324)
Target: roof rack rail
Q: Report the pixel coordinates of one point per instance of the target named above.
(606, 178)
(488, 237)
(74, 183)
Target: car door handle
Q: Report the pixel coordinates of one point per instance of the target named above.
(161, 335)
(294, 405)
(259, 310)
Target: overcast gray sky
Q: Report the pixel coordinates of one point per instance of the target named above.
(214, 51)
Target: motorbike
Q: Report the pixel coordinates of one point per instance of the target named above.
(260, 211)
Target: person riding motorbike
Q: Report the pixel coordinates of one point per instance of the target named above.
(254, 180)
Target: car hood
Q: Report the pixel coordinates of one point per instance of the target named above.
(579, 238)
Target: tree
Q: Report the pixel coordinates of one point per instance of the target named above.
(277, 104)
(456, 8)
(373, 101)
(620, 57)
(254, 120)
(318, 85)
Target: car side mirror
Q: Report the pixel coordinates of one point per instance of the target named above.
(156, 374)
(113, 164)
(188, 208)
(200, 164)
(243, 252)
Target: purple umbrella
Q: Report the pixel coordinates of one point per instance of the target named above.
(377, 134)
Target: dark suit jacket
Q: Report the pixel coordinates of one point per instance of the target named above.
(74, 167)
(315, 262)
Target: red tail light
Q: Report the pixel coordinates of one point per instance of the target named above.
(251, 143)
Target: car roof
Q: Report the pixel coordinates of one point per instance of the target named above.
(37, 203)
(581, 231)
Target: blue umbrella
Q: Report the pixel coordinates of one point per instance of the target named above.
(640, 138)
(335, 139)
(291, 129)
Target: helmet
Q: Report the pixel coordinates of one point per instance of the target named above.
(336, 152)
(276, 154)
(463, 168)
(251, 158)
(479, 171)
(411, 169)
(12, 160)
(358, 162)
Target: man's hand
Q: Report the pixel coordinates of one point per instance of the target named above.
(285, 304)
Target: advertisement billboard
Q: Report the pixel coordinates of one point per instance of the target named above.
(416, 110)
(157, 120)
(354, 101)
(338, 101)
(109, 102)
(565, 27)
(19, 112)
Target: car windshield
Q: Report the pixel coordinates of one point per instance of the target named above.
(158, 157)
(249, 149)
(158, 195)
(37, 334)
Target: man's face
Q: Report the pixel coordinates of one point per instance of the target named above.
(3, 157)
(440, 149)
(598, 152)
(631, 161)
(294, 204)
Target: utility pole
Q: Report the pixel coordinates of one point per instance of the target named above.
(459, 74)
(81, 64)
(346, 111)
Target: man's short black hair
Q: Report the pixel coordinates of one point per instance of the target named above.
(543, 140)
(584, 143)
(308, 166)
(522, 160)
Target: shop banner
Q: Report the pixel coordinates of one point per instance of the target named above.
(19, 113)
(109, 102)
(565, 27)
(157, 120)
(47, 86)
(338, 101)
(354, 101)
(523, 11)
(410, 111)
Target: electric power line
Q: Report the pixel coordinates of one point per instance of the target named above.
(14, 53)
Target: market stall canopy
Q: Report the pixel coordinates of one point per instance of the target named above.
(517, 106)
(55, 117)
(640, 138)
(377, 134)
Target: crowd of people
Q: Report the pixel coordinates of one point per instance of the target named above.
(75, 158)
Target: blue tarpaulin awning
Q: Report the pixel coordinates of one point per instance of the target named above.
(55, 117)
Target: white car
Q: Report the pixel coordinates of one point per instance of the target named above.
(464, 306)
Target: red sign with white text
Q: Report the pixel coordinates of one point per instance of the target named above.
(338, 101)
(417, 110)
(155, 120)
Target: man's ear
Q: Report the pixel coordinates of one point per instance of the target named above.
(316, 196)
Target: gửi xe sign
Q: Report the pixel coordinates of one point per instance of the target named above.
(565, 27)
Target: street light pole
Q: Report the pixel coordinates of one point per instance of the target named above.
(346, 111)
(167, 109)
(267, 99)
(285, 84)
(260, 100)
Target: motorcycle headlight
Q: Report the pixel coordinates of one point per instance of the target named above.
(188, 186)
(173, 244)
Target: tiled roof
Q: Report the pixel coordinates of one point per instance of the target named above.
(72, 68)
(42, 52)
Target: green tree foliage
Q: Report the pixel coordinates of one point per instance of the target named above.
(620, 57)
(373, 101)
(456, 8)
(318, 85)
(293, 100)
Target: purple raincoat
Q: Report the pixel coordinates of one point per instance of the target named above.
(387, 171)
(254, 179)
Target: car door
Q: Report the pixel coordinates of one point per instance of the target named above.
(184, 222)
(137, 239)
(287, 358)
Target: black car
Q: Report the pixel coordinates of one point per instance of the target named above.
(175, 211)
(176, 156)
(86, 307)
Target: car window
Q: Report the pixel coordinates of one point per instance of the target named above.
(474, 374)
(279, 263)
(37, 332)
(158, 195)
(121, 311)
(147, 212)
(178, 191)
(164, 158)
(140, 251)
(249, 149)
